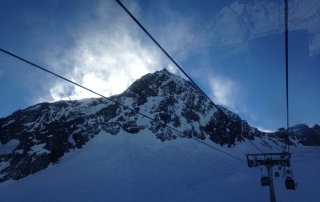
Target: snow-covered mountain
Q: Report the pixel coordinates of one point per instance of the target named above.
(38, 136)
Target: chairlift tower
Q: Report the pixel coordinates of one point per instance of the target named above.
(269, 160)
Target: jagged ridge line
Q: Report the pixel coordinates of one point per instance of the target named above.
(165, 52)
(219, 109)
(195, 85)
(61, 77)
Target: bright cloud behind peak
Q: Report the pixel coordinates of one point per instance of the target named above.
(105, 58)
(110, 52)
(225, 91)
(98, 45)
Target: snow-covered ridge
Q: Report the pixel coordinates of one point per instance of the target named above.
(47, 131)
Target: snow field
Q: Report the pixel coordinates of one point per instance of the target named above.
(138, 167)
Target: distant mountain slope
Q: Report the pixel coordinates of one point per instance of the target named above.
(40, 135)
(305, 135)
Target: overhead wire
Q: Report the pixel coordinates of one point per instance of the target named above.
(165, 52)
(255, 146)
(246, 138)
(287, 62)
(194, 84)
(74, 83)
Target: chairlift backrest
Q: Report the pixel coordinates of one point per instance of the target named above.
(265, 181)
(290, 184)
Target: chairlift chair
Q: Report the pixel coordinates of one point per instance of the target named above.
(265, 181)
(290, 184)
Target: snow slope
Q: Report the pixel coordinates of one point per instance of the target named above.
(137, 167)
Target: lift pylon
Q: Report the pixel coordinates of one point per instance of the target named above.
(269, 160)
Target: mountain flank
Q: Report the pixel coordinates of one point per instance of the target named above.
(33, 138)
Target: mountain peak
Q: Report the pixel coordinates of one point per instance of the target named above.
(162, 103)
(164, 70)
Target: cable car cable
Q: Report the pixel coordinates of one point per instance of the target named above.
(289, 182)
(246, 138)
(74, 83)
(165, 52)
(287, 63)
(255, 145)
(195, 85)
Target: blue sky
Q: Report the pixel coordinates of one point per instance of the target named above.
(97, 44)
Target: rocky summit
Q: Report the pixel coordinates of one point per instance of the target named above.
(162, 103)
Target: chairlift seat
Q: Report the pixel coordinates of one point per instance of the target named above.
(290, 184)
(265, 181)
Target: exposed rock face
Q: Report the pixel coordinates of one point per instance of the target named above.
(41, 134)
(305, 135)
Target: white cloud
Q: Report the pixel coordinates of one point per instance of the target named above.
(264, 130)
(107, 57)
(231, 94)
(225, 91)
(244, 110)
